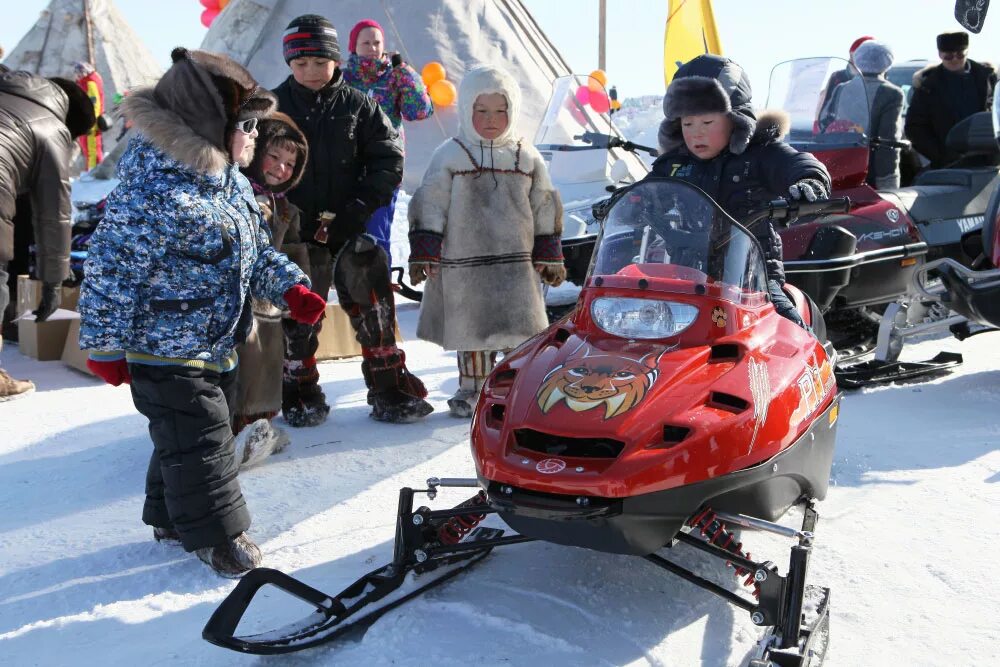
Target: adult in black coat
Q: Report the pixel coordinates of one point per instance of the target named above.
(355, 165)
(39, 119)
(709, 100)
(945, 94)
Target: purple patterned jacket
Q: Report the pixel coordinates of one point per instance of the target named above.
(399, 91)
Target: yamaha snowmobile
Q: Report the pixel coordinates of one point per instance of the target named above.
(946, 296)
(854, 264)
(670, 409)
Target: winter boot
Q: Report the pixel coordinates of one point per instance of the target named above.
(166, 535)
(237, 556)
(11, 388)
(303, 403)
(463, 403)
(398, 408)
(395, 394)
(258, 441)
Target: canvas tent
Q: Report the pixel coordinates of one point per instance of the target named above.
(86, 30)
(459, 34)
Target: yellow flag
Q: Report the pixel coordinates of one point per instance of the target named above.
(690, 32)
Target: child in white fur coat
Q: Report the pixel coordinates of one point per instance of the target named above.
(484, 224)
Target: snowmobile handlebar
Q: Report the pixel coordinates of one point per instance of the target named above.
(599, 140)
(879, 142)
(783, 210)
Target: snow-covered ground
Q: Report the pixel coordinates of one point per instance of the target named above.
(907, 538)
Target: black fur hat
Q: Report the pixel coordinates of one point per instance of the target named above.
(277, 127)
(953, 41)
(211, 92)
(80, 116)
(708, 84)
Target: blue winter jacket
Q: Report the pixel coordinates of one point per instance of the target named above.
(172, 263)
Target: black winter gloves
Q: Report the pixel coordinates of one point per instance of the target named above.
(51, 300)
(349, 222)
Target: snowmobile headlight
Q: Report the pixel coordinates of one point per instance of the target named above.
(642, 318)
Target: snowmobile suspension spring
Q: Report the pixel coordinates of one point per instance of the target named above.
(714, 531)
(454, 529)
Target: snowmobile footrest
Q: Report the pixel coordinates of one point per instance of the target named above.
(877, 372)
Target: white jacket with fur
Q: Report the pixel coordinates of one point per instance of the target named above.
(485, 213)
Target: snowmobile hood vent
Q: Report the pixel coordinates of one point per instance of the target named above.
(724, 352)
(727, 402)
(556, 445)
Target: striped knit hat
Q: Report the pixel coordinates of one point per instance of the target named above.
(310, 35)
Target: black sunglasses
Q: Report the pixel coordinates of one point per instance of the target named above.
(952, 55)
(247, 126)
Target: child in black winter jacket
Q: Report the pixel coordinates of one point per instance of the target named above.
(355, 166)
(711, 138)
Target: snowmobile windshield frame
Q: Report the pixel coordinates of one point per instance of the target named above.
(826, 100)
(575, 111)
(667, 229)
(996, 113)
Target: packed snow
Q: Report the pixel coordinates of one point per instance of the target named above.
(906, 539)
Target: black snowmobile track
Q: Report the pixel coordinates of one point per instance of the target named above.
(355, 607)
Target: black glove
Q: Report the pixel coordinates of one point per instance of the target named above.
(51, 299)
(349, 222)
(808, 189)
(397, 60)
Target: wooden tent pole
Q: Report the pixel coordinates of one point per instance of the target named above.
(90, 33)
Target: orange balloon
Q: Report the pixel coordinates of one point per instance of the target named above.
(443, 93)
(222, 4)
(432, 73)
(616, 105)
(597, 81)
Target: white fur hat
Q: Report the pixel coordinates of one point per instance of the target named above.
(873, 57)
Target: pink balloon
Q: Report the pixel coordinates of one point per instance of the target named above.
(210, 4)
(600, 102)
(208, 16)
(582, 95)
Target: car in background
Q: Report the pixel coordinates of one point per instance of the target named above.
(901, 74)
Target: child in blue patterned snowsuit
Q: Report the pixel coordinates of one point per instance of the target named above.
(164, 300)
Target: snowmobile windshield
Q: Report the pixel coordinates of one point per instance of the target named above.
(665, 228)
(577, 116)
(826, 100)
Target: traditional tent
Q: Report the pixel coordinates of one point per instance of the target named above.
(86, 30)
(459, 34)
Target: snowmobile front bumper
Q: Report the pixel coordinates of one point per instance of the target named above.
(640, 525)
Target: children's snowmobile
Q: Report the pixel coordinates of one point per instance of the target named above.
(671, 408)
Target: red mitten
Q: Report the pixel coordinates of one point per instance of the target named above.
(113, 372)
(304, 305)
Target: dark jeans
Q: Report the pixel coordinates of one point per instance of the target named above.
(191, 483)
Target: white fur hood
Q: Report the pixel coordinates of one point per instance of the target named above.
(486, 80)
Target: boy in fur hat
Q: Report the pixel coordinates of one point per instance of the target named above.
(484, 224)
(710, 137)
(266, 361)
(179, 254)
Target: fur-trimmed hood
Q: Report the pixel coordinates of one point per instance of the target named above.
(274, 127)
(486, 80)
(928, 75)
(193, 108)
(708, 84)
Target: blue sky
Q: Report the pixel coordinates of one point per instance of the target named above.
(755, 34)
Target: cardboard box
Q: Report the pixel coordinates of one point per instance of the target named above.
(44, 341)
(29, 295)
(72, 355)
(337, 339)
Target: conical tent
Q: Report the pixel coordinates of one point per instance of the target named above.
(459, 34)
(68, 31)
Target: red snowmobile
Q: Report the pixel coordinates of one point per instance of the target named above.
(671, 407)
(856, 263)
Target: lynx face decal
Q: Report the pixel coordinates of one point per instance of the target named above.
(614, 382)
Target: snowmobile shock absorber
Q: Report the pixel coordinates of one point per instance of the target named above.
(454, 529)
(714, 531)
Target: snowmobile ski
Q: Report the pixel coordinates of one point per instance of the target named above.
(878, 372)
(358, 605)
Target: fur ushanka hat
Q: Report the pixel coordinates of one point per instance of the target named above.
(708, 84)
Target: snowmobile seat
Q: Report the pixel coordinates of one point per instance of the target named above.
(973, 136)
